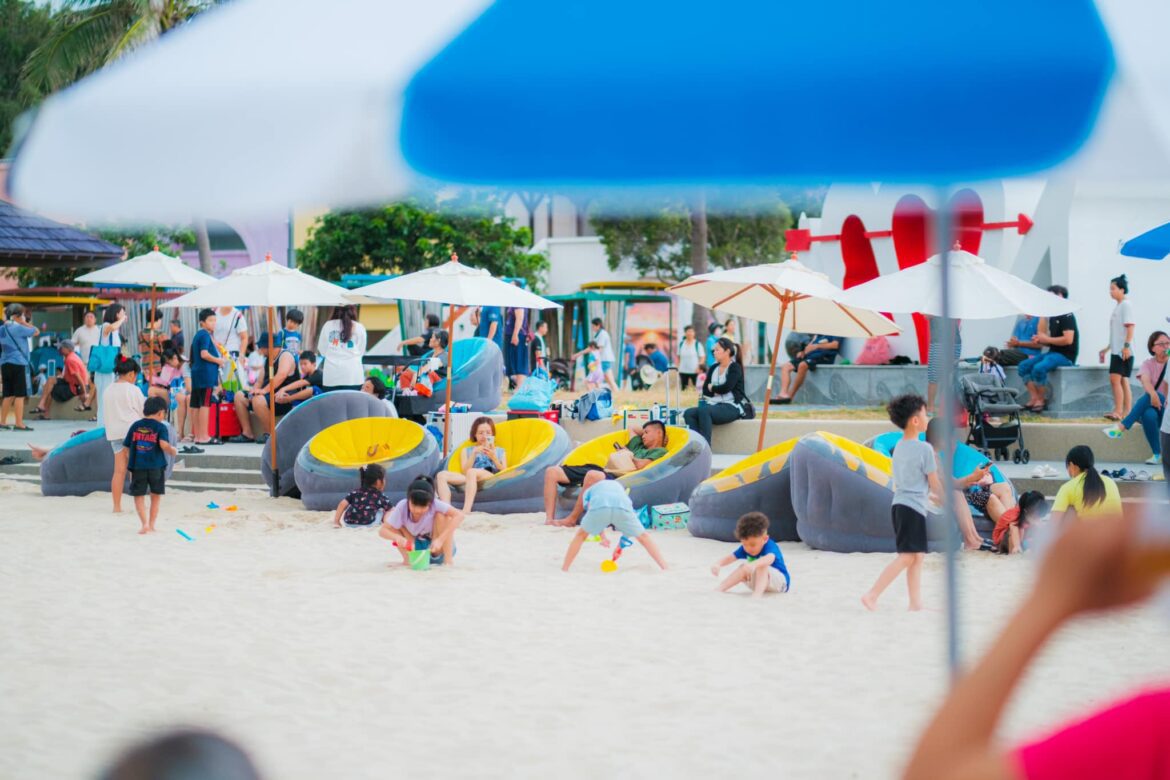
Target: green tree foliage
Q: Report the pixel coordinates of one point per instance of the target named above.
(420, 233)
(87, 34)
(23, 26)
(171, 240)
(745, 230)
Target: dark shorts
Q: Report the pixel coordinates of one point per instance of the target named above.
(143, 481)
(62, 392)
(688, 379)
(15, 379)
(577, 474)
(201, 397)
(909, 529)
(978, 497)
(1119, 366)
(813, 361)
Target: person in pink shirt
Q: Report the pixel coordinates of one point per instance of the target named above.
(1150, 407)
(1091, 567)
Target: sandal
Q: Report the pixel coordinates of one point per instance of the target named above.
(191, 449)
(1113, 417)
(83, 408)
(23, 429)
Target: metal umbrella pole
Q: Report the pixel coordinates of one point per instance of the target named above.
(272, 405)
(947, 410)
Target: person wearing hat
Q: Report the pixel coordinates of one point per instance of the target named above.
(73, 382)
(283, 367)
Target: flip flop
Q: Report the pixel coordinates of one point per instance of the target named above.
(191, 450)
(24, 429)
(1112, 416)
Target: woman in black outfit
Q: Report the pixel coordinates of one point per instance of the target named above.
(722, 398)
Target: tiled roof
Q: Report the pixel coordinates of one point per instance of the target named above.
(30, 240)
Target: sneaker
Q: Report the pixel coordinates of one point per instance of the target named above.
(1154, 460)
(1045, 471)
(1113, 432)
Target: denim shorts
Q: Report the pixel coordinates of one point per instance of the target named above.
(626, 523)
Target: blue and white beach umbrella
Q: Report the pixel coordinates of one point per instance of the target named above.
(263, 105)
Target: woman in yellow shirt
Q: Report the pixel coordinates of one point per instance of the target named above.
(1088, 495)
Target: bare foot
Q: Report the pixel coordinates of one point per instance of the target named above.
(869, 602)
(142, 531)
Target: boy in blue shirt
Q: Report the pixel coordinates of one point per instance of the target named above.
(293, 319)
(764, 571)
(149, 442)
(607, 503)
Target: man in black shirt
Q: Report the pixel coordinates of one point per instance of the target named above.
(1060, 335)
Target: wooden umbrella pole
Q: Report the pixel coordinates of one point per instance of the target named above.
(447, 414)
(771, 372)
(272, 404)
(153, 335)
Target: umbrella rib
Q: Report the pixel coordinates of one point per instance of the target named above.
(735, 294)
(849, 314)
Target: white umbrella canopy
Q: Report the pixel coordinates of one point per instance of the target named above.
(153, 269)
(265, 284)
(978, 291)
(789, 294)
(269, 285)
(456, 284)
(758, 292)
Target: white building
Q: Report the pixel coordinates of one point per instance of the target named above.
(1073, 241)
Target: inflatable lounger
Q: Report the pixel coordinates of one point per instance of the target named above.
(305, 420)
(671, 478)
(327, 465)
(531, 447)
(758, 483)
(84, 464)
(842, 492)
(966, 460)
(477, 371)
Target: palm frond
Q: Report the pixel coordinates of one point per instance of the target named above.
(76, 45)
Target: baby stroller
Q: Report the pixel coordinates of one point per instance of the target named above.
(993, 417)
(560, 372)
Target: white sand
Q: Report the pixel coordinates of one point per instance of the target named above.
(300, 641)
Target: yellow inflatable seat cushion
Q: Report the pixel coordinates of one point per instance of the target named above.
(356, 443)
(868, 456)
(753, 463)
(597, 451)
(522, 441)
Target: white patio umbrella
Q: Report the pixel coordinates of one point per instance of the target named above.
(266, 284)
(789, 294)
(457, 285)
(977, 291)
(153, 268)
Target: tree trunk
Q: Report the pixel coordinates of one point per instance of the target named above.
(203, 242)
(699, 315)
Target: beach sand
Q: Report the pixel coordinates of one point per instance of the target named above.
(324, 660)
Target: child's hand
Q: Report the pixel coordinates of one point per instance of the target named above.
(715, 569)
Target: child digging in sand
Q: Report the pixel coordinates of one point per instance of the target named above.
(149, 442)
(764, 571)
(915, 477)
(607, 503)
(420, 521)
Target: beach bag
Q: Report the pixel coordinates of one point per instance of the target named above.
(102, 357)
(534, 395)
(620, 462)
(876, 352)
(746, 410)
(593, 405)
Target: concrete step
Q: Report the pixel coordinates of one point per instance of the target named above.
(173, 484)
(186, 474)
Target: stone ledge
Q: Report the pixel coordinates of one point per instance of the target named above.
(1077, 391)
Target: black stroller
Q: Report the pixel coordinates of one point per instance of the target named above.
(993, 417)
(560, 372)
